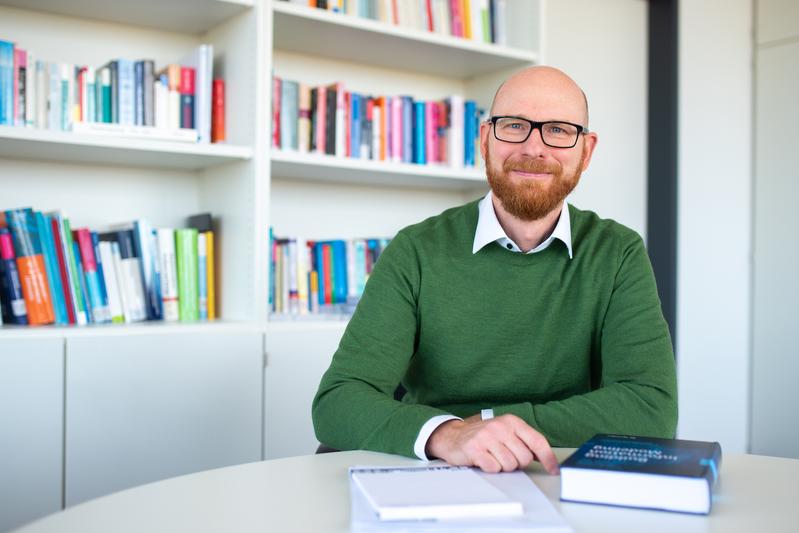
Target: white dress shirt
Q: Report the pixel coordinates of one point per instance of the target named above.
(489, 230)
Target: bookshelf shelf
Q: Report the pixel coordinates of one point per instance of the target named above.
(336, 36)
(59, 146)
(127, 330)
(318, 167)
(195, 17)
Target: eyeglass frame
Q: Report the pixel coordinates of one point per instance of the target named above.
(581, 130)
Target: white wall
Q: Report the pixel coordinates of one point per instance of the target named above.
(715, 217)
(603, 46)
(775, 331)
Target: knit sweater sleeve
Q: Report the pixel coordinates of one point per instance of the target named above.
(637, 393)
(354, 407)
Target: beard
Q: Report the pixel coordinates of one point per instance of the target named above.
(530, 199)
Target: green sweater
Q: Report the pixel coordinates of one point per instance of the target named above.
(572, 346)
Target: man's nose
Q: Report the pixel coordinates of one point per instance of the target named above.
(534, 145)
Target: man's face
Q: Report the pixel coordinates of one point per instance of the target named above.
(531, 179)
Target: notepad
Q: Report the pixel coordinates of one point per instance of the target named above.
(431, 493)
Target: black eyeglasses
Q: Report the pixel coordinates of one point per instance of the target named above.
(556, 134)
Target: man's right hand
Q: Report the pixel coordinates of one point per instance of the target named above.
(501, 444)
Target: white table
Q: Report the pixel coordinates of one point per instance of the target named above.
(311, 493)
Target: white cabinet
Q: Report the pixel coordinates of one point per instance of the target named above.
(296, 358)
(141, 408)
(31, 422)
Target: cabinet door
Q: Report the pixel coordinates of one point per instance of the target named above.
(141, 408)
(296, 360)
(31, 429)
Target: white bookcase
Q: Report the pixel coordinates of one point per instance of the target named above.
(246, 184)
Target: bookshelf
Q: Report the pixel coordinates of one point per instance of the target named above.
(248, 186)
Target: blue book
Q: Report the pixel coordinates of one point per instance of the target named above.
(340, 286)
(138, 92)
(126, 80)
(418, 134)
(469, 132)
(145, 244)
(51, 267)
(103, 290)
(646, 472)
(355, 125)
(6, 83)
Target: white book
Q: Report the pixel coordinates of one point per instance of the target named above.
(538, 513)
(501, 22)
(455, 143)
(111, 281)
(169, 273)
(122, 283)
(131, 273)
(30, 89)
(431, 493)
(42, 94)
(202, 60)
(161, 95)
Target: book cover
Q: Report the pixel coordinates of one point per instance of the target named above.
(111, 281)
(187, 78)
(98, 303)
(431, 493)
(186, 256)
(147, 251)
(53, 273)
(129, 273)
(646, 472)
(13, 303)
(30, 265)
(63, 269)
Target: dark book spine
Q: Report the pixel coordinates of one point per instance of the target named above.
(330, 121)
(312, 140)
(113, 67)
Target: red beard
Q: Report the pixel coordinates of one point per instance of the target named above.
(530, 199)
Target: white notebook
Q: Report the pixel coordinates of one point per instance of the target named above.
(431, 493)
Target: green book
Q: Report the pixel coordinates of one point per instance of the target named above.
(82, 313)
(186, 257)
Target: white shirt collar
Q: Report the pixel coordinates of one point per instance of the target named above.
(489, 230)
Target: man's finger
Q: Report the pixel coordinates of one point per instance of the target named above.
(506, 459)
(540, 447)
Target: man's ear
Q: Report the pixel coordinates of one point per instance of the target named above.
(590, 144)
(485, 131)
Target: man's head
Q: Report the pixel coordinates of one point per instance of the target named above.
(530, 178)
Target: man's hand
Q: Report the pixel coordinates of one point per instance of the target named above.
(502, 444)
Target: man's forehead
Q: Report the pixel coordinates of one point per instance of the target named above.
(540, 101)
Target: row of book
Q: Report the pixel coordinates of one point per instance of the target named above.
(478, 20)
(123, 97)
(329, 119)
(53, 274)
(319, 277)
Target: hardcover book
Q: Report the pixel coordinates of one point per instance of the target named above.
(646, 472)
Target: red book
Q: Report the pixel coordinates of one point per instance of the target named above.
(327, 265)
(394, 12)
(347, 123)
(187, 77)
(218, 111)
(429, 7)
(276, 88)
(62, 270)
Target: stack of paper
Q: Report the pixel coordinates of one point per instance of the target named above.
(440, 498)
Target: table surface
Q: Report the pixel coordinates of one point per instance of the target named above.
(311, 493)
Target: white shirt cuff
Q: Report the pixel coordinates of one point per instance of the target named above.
(424, 434)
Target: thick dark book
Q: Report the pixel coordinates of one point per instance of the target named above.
(645, 472)
(330, 120)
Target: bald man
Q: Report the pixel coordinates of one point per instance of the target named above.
(515, 322)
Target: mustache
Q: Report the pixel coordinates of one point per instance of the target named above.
(532, 165)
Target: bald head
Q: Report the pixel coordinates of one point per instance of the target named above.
(544, 93)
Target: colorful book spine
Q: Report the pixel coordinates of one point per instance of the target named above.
(6, 83)
(31, 267)
(186, 254)
(340, 287)
(50, 252)
(147, 251)
(187, 89)
(98, 305)
(419, 156)
(84, 289)
(63, 270)
(218, 112)
(11, 298)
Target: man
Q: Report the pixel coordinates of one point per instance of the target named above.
(516, 322)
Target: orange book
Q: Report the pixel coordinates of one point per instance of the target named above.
(30, 264)
(383, 122)
(467, 19)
